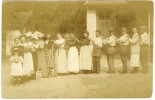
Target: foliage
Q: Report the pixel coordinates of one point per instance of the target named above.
(46, 17)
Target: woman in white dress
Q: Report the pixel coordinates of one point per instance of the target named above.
(60, 56)
(85, 54)
(73, 58)
(28, 68)
(135, 51)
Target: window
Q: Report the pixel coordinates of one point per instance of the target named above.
(104, 15)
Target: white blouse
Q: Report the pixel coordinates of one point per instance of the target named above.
(60, 42)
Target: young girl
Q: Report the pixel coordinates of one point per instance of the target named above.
(16, 66)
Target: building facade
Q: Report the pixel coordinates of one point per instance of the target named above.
(114, 14)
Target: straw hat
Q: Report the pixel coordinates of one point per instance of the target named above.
(28, 34)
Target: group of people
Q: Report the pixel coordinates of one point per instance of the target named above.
(34, 53)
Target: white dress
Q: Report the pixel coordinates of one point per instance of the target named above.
(135, 51)
(28, 68)
(73, 60)
(61, 58)
(16, 67)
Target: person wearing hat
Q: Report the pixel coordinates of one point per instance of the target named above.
(85, 54)
(16, 66)
(48, 51)
(73, 57)
(124, 48)
(144, 49)
(60, 55)
(28, 68)
(41, 57)
(97, 52)
(34, 48)
(110, 50)
(17, 43)
(135, 51)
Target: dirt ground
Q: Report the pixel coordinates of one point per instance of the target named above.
(82, 85)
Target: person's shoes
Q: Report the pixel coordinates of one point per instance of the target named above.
(111, 72)
(145, 71)
(123, 72)
(135, 70)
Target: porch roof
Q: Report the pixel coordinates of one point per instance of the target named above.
(106, 2)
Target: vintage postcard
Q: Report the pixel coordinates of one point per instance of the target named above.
(77, 49)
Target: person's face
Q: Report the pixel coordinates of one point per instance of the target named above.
(35, 41)
(16, 53)
(97, 34)
(134, 30)
(48, 38)
(58, 36)
(85, 35)
(123, 32)
(22, 39)
(143, 30)
(111, 33)
(17, 41)
(28, 39)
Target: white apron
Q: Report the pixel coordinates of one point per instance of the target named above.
(61, 61)
(28, 64)
(86, 57)
(135, 58)
(73, 60)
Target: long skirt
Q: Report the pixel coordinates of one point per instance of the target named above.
(28, 68)
(86, 58)
(42, 63)
(73, 60)
(61, 61)
(135, 59)
(17, 69)
(48, 56)
(35, 60)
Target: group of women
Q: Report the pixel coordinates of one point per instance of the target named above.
(33, 52)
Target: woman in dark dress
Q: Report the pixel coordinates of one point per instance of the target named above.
(85, 54)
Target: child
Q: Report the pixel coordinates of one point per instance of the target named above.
(16, 66)
(38, 74)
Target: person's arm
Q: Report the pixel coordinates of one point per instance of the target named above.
(21, 59)
(12, 59)
(134, 40)
(110, 41)
(59, 42)
(98, 43)
(123, 39)
(145, 39)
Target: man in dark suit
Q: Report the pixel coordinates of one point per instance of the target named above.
(124, 48)
(97, 52)
(110, 51)
(144, 50)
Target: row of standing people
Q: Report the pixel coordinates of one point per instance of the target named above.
(39, 53)
(32, 54)
(137, 45)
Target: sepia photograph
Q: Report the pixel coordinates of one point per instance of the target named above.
(77, 49)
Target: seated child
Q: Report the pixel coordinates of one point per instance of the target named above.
(38, 74)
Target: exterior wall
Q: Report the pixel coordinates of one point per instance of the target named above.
(104, 24)
(91, 21)
(10, 35)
